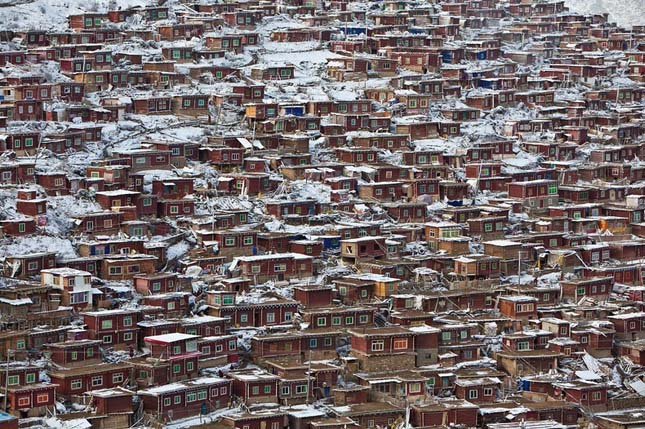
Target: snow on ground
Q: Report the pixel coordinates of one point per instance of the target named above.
(623, 12)
(310, 190)
(39, 243)
(176, 251)
(52, 14)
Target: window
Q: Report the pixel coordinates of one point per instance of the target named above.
(107, 339)
(285, 390)
(301, 389)
(76, 384)
(202, 394)
(334, 320)
(488, 391)
(364, 318)
(189, 366)
(106, 324)
(378, 345)
(414, 387)
(313, 343)
(596, 396)
(74, 356)
(24, 402)
(321, 321)
(473, 394)
(176, 368)
(267, 389)
(270, 317)
(349, 320)
(31, 378)
(191, 397)
(117, 378)
(13, 380)
(400, 344)
(97, 380)
(177, 399)
(166, 402)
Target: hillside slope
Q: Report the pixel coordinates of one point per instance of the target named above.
(623, 12)
(52, 14)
